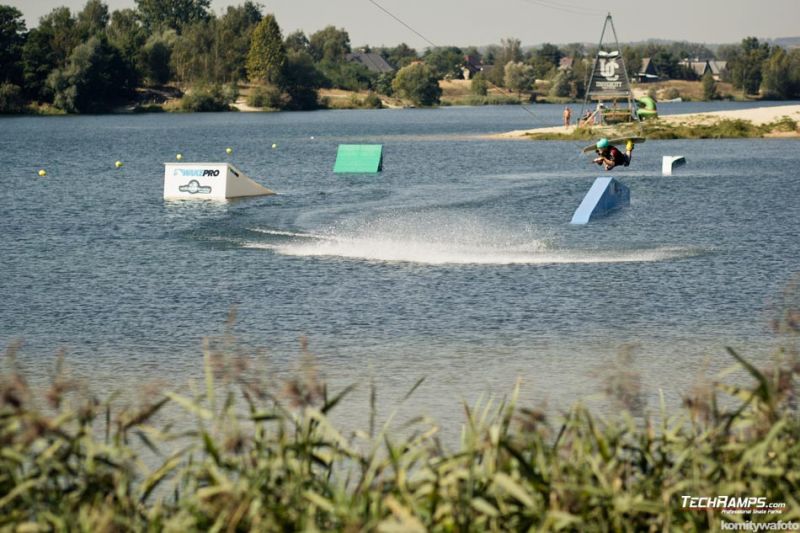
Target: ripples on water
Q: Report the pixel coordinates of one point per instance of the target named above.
(457, 262)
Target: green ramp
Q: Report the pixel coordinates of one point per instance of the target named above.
(359, 158)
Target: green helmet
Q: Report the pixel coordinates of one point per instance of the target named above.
(602, 143)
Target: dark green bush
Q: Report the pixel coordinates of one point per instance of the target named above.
(213, 98)
(372, 101)
(479, 86)
(265, 97)
(417, 83)
(11, 100)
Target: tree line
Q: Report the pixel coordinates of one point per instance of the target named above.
(94, 60)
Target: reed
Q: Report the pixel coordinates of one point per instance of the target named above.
(265, 456)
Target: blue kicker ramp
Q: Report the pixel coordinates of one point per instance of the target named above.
(606, 195)
(359, 158)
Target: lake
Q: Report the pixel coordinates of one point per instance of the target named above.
(456, 263)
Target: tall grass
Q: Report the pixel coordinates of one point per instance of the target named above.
(265, 456)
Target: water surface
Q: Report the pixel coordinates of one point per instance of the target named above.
(457, 262)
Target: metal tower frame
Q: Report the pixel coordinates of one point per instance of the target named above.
(587, 97)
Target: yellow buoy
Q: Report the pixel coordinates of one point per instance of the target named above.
(229, 150)
(42, 172)
(118, 164)
(274, 145)
(179, 157)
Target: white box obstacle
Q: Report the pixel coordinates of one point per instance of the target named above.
(668, 162)
(216, 181)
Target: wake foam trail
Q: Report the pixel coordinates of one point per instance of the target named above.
(444, 240)
(297, 234)
(434, 254)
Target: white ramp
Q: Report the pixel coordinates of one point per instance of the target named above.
(668, 162)
(208, 181)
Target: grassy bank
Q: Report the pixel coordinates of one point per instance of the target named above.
(265, 456)
(660, 129)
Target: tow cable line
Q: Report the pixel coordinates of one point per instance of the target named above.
(395, 17)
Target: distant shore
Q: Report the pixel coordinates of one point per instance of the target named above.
(760, 118)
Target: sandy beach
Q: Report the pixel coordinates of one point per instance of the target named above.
(758, 115)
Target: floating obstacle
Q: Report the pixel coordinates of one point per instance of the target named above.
(359, 158)
(669, 162)
(605, 196)
(217, 181)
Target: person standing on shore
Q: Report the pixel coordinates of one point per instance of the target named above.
(567, 116)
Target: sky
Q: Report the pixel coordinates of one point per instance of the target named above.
(483, 22)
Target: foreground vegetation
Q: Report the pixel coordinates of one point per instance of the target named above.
(265, 456)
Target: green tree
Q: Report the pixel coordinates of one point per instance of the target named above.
(302, 80)
(561, 86)
(194, 56)
(12, 39)
(478, 86)
(575, 50)
(472, 51)
(417, 83)
(92, 20)
(746, 63)
(665, 63)
(399, 56)
(709, 87)
(46, 48)
(632, 57)
(329, 44)
(579, 77)
(518, 76)
(296, 42)
(794, 71)
(267, 57)
(11, 100)
(549, 53)
(383, 84)
(690, 50)
(777, 79)
(38, 60)
(125, 31)
(94, 79)
(445, 61)
(174, 14)
(61, 29)
(510, 50)
(347, 75)
(214, 51)
(685, 72)
(233, 35)
(157, 57)
(542, 68)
